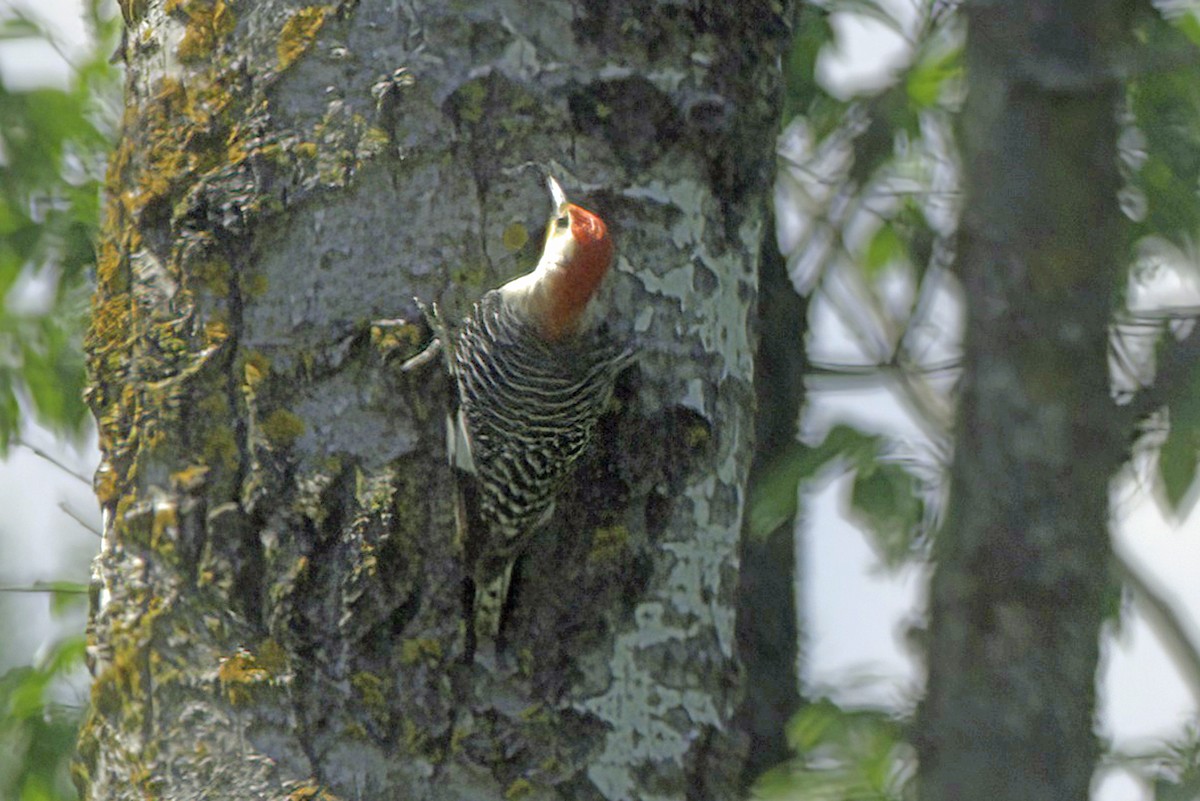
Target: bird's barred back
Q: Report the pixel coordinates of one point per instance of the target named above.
(530, 407)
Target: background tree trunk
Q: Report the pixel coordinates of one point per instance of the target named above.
(278, 601)
(1023, 565)
(768, 631)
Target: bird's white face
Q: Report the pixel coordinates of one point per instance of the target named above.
(560, 241)
(576, 254)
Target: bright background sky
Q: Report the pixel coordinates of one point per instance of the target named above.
(857, 614)
(38, 539)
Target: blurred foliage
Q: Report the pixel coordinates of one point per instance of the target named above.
(874, 176)
(885, 497)
(1162, 143)
(37, 731)
(842, 755)
(1177, 458)
(1161, 154)
(53, 142)
(1177, 769)
(1170, 770)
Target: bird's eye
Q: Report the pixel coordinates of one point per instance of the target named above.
(562, 222)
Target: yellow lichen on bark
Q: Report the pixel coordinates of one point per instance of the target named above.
(208, 23)
(298, 33)
(282, 428)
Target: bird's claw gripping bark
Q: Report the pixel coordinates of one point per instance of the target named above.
(436, 344)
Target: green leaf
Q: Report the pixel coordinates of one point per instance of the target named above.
(913, 229)
(811, 725)
(773, 499)
(1166, 108)
(53, 373)
(813, 34)
(886, 499)
(1177, 461)
(1179, 456)
(927, 79)
(20, 27)
(10, 411)
(777, 783)
(1186, 789)
(37, 736)
(884, 248)
(1188, 24)
(1178, 777)
(842, 755)
(68, 653)
(773, 496)
(24, 696)
(850, 443)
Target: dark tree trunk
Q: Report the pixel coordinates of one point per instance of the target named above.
(767, 628)
(1023, 561)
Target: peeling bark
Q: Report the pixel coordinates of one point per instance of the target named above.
(278, 600)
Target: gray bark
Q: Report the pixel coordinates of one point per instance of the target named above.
(278, 605)
(1023, 561)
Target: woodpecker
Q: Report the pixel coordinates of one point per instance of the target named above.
(534, 368)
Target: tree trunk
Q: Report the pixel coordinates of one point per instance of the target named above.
(1022, 578)
(278, 607)
(768, 632)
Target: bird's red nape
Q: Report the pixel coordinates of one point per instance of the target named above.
(577, 281)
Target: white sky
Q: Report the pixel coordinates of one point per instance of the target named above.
(31, 63)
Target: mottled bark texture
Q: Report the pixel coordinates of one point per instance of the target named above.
(1022, 564)
(278, 607)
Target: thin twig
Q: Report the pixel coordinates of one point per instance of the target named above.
(39, 452)
(818, 367)
(1174, 363)
(37, 587)
(931, 411)
(71, 513)
(1161, 612)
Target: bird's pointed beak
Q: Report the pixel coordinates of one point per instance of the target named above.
(557, 194)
